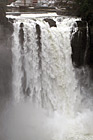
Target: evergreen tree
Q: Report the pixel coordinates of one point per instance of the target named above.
(85, 10)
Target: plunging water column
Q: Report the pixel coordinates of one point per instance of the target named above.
(44, 71)
(47, 95)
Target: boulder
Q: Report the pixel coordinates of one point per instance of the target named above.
(51, 22)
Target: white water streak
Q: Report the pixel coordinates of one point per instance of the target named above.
(17, 64)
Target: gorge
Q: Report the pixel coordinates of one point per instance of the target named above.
(46, 78)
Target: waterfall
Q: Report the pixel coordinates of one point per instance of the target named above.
(51, 96)
(42, 67)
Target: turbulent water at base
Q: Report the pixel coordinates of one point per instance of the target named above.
(52, 100)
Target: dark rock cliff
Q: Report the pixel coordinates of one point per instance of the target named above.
(79, 44)
(91, 45)
(5, 61)
(82, 45)
(6, 30)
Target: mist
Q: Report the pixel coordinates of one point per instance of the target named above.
(23, 121)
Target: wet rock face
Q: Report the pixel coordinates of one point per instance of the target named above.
(6, 30)
(79, 43)
(51, 22)
(38, 31)
(21, 35)
(5, 62)
(91, 45)
(2, 13)
(82, 45)
(4, 21)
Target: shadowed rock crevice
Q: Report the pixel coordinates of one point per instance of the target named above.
(51, 22)
(21, 41)
(21, 35)
(91, 45)
(38, 32)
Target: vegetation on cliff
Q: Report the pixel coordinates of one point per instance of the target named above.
(85, 10)
(82, 8)
(5, 2)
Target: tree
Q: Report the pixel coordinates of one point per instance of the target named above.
(85, 10)
(5, 2)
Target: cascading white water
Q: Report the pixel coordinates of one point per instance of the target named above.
(44, 73)
(49, 84)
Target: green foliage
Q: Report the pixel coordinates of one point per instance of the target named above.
(86, 9)
(5, 2)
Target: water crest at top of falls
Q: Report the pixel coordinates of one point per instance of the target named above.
(43, 75)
